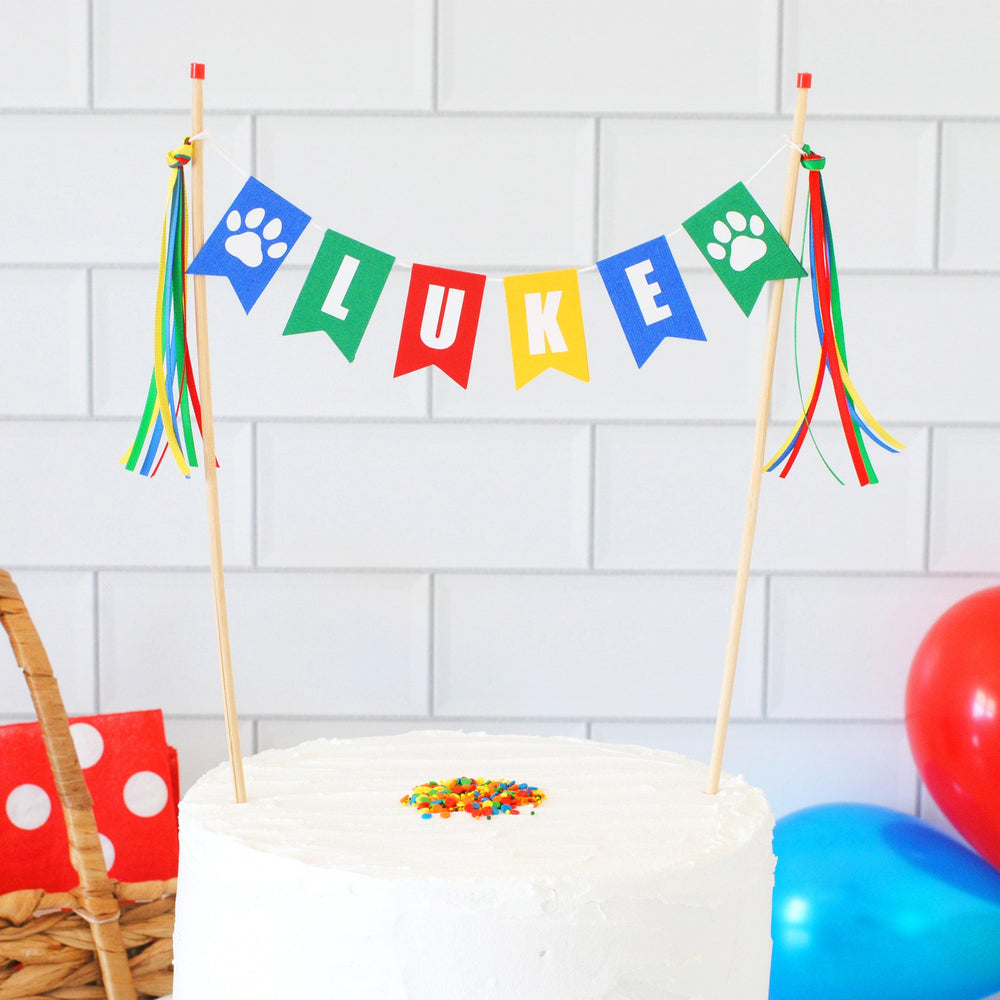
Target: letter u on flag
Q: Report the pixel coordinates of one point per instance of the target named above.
(546, 325)
(440, 321)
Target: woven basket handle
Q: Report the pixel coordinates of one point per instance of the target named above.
(97, 903)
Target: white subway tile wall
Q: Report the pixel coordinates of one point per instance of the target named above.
(575, 57)
(968, 219)
(405, 554)
(451, 190)
(44, 55)
(800, 764)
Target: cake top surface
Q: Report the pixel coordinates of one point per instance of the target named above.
(608, 809)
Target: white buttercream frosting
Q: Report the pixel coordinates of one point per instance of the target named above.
(628, 882)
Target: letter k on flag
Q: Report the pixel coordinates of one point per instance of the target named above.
(546, 325)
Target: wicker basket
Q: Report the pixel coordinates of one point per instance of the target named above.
(105, 939)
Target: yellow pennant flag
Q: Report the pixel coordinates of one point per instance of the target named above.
(546, 325)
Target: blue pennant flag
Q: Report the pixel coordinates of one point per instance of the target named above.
(649, 296)
(252, 241)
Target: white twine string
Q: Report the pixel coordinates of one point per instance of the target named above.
(219, 151)
(405, 265)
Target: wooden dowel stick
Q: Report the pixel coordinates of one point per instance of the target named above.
(803, 84)
(208, 437)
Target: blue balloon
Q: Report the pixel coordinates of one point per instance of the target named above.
(872, 904)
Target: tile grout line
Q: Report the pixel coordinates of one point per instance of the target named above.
(431, 609)
(96, 639)
(596, 208)
(779, 57)
(254, 497)
(928, 502)
(435, 56)
(938, 200)
(677, 573)
(537, 421)
(592, 501)
(763, 116)
(88, 299)
(249, 719)
(91, 44)
(253, 144)
(766, 650)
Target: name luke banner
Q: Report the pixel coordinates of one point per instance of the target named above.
(545, 318)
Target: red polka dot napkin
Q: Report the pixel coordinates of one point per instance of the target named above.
(132, 777)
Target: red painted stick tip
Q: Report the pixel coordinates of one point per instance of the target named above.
(802, 82)
(197, 71)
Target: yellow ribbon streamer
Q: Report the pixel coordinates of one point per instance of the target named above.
(859, 405)
(176, 158)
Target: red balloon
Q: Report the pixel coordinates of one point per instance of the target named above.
(953, 718)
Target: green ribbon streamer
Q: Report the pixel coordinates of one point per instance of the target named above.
(795, 345)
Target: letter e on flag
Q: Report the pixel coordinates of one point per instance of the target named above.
(649, 297)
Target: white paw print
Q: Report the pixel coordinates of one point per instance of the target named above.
(247, 244)
(745, 249)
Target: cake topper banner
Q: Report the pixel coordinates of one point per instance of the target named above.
(439, 326)
(545, 317)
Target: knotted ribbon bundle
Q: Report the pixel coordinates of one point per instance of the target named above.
(855, 418)
(173, 396)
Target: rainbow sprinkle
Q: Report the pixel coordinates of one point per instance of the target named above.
(477, 796)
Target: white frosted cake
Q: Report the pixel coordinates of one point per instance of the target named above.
(626, 882)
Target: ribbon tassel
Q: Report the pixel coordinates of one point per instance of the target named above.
(856, 419)
(172, 398)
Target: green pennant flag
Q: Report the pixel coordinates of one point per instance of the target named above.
(741, 245)
(341, 291)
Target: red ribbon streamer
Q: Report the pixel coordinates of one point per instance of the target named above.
(829, 359)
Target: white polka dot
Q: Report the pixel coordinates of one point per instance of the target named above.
(145, 793)
(108, 850)
(28, 807)
(88, 742)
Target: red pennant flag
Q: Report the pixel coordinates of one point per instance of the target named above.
(440, 322)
